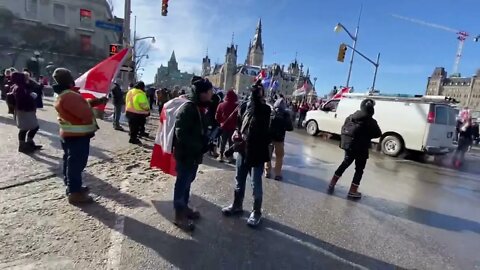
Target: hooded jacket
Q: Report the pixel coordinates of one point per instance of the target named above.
(225, 112)
(24, 100)
(358, 131)
(281, 121)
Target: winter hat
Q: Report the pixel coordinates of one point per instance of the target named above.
(200, 85)
(257, 89)
(63, 77)
(140, 85)
(367, 106)
(280, 104)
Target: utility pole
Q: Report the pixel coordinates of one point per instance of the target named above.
(126, 40)
(354, 46)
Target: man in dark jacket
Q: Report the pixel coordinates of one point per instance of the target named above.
(118, 102)
(281, 122)
(253, 127)
(190, 143)
(357, 132)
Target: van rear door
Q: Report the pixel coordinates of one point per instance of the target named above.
(440, 129)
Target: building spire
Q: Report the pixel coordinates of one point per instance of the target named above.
(173, 58)
(257, 39)
(233, 37)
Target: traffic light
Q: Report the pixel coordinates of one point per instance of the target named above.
(164, 7)
(341, 52)
(114, 49)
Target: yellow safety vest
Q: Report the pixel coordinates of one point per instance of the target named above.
(137, 102)
(68, 127)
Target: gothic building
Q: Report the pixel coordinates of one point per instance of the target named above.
(231, 75)
(170, 76)
(464, 89)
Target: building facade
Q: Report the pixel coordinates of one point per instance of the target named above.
(55, 33)
(240, 77)
(466, 90)
(170, 76)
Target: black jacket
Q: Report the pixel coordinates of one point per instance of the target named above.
(190, 141)
(117, 94)
(357, 132)
(281, 122)
(254, 123)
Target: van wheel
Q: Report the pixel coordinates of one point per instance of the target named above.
(392, 146)
(312, 128)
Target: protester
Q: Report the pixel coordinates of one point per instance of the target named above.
(77, 127)
(252, 139)
(162, 97)
(118, 102)
(151, 96)
(281, 122)
(356, 135)
(7, 89)
(5, 83)
(34, 87)
(213, 125)
(190, 144)
(466, 135)
(227, 113)
(137, 110)
(303, 113)
(25, 113)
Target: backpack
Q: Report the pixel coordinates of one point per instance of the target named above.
(350, 128)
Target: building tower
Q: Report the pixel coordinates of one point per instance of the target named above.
(173, 64)
(230, 67)
(206, 65)
(255, 49)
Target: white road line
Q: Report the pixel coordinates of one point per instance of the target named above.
(116, 235)
(318, 249)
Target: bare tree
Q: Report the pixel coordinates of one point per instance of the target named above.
(141, 54)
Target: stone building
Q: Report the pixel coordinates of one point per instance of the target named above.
(466, 90)
(230, 74)
(170, 76)
(41, 33)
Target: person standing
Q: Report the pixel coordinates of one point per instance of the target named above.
(253, 140)
(190, 144)
(303, 113)
(213, 125)
(25, 113)
(227, 113)
(466, 135)
(137, 110)
(357, 133)
(34, 87)
(151, 96)
(281, 122)
(77, 127)
(118, 102)
(5, 83)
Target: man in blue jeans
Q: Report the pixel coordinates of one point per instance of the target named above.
(253, 127)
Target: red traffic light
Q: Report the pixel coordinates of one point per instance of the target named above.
(164, 7)
(114, 49)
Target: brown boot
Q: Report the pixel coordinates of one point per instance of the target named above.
(333, 182)
(79, 198)
(353, 192)
(182, 221)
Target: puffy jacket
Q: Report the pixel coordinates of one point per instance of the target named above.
(225, 112)
(358, 131)
(137, 102)
(22, 93)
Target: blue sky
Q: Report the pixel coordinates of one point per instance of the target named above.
(409, 52)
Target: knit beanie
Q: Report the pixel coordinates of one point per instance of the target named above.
(63, 77)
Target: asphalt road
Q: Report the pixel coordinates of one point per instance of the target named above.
(413, 216)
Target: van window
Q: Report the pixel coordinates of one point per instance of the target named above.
(452, 117)
(331, 106)
(441, 115)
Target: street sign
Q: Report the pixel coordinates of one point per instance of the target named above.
(126, 69)
(109, 26)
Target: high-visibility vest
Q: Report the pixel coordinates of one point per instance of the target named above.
(137, 102)
(68, 127)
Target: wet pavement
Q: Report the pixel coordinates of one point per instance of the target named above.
(413, 216)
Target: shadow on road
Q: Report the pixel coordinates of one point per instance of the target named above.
(401, 210)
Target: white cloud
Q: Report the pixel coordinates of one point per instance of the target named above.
(190, 28)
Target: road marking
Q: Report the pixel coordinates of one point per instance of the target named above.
(318, 249)
(116, 235)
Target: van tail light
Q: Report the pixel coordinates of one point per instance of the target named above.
(431, 117)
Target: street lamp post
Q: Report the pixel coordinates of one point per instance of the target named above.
(339, 28)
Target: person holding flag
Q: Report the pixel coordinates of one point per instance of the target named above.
(77, 127)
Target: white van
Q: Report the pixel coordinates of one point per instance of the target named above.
(425, 123)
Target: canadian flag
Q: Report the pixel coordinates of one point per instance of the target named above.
(97, 81)
(162, 155)
(341, 93)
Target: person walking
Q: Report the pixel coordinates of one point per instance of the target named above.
(227, 113)
(253, 139)
(356, 135)
(25, 113)
(466, 135)
(213, 125)
(34, 87)
(77, 127)
(281, 122)
(303, 113)
(190, 144)
(137, 110)
(118, 102)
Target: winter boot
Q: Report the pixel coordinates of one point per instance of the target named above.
(33, 145)
(135, 141)
(353, 192)
(256, 214)
(182, 221)
(236, 208)
(25, 148)
(333, 182)
(77, 198)
(119, 128)
(192, 214)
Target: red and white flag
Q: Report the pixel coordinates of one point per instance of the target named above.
(97, 81)
(341, 93)
(261, 75)
(162, 155)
